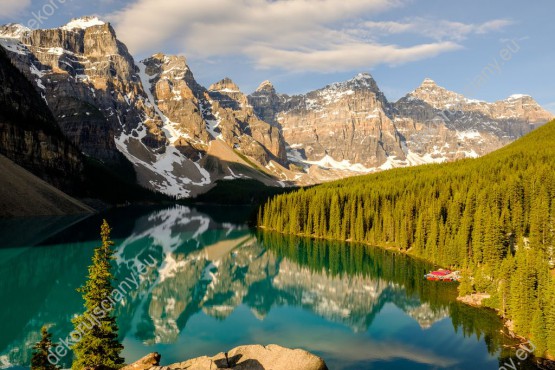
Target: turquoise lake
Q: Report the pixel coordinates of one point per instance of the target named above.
(212, 283)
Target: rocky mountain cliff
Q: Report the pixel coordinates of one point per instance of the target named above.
(350, 127)
(346, 125)
(431, 115)
(181, 137)
(89, 81)
(29, 135)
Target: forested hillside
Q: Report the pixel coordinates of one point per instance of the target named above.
(492, 217)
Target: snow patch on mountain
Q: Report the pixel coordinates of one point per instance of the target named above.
(13, 45)
(265, 85)
(330, 163)
(170, 166)
(464, 135)
(518, 96)
(13, 30)
(211, 124)
(145, 80)
(415, 159)
(82, 23)
(56, 51)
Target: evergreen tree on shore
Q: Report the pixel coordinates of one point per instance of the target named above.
(99, 346)
(538, 332)
(39, 361)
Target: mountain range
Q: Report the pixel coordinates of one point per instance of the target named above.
(182, 138)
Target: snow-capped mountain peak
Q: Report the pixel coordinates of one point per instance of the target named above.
(363, 76)
(225, 85)
(362, 81)
(83, 23)
(266, 86)
(430, 85)
(436, 96)
(519, 96)
(13, 30)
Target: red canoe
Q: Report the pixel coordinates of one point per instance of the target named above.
(443, 275)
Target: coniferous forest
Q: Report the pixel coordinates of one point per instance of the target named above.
(493, 218)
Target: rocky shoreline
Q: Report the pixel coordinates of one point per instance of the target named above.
(249, 357)
(475, 300)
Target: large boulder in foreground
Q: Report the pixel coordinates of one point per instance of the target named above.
(147, 362)
(252, 357)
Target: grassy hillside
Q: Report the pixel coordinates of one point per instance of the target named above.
(492, 217)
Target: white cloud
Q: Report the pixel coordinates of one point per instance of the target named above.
(295, 35)
(437, 29)
(12, 8)
(346, 56)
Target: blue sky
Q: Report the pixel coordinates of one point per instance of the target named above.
(486, 50)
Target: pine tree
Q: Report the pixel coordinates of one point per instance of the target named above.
(504, 286)
(335, 218)
(99, 346)
(550, 318)
(39, 361)
(465, 286)
(538, 332)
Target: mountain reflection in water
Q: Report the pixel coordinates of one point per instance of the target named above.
(217, 284)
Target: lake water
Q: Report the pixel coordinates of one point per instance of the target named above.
(215, 284)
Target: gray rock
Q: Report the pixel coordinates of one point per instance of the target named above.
(254, 357)
(147, 362)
